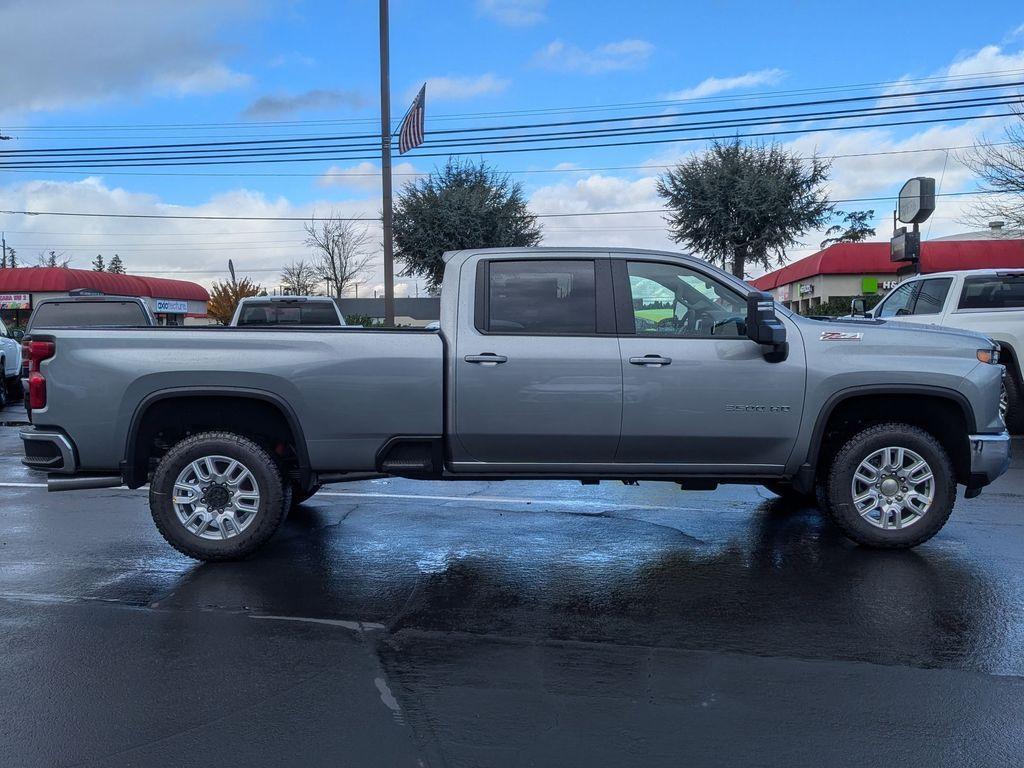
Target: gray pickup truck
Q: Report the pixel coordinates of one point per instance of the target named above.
(576, 364)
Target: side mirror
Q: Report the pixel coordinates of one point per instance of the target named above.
(858, 307)
(764, 326)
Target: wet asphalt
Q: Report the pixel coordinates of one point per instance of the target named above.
(396, 623)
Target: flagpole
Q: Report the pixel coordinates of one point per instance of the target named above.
(385, 167)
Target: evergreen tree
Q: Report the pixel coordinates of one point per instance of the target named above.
(97, 263)
(737, 204)
(116, 266)
(462, 205)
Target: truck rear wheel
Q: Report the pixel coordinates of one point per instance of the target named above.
(891, 486)
(217, 496)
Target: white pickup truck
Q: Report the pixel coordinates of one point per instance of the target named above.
(989, 301)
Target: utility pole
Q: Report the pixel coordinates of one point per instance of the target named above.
(3, 240)
(385, 167)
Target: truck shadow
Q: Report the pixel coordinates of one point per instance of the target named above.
(777, 581)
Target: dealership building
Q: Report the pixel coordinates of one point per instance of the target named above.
(845, 270)
(174, 302)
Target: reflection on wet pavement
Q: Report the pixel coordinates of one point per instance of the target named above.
(505, 624)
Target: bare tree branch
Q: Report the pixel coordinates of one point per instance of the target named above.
(299, 278)
(1000, 167)
(339, 253)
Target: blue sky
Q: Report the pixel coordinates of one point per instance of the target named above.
(248, 66)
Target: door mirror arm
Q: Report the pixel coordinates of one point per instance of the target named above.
(765, 328)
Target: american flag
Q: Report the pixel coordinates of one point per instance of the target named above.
(410, 135)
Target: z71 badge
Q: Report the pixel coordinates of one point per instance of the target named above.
(841, 336)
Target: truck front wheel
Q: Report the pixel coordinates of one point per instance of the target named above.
(217, 496)
(891, 486)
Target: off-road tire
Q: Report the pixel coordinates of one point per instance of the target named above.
(1015, 404)
(263, 467)
(855, 449)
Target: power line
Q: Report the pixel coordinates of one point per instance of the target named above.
(186, 147)
(517, 150)
(521, 171)
(228, 152)
(276, 124)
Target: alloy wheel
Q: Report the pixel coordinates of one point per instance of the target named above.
(216, 497)
(893, 488)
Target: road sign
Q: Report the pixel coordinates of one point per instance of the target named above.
(905, 246)
(917, 200)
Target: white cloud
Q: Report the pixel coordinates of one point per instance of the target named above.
(211, 78)
(459, 88)
(712, 85)
(988, 60)
(597, 193)
(610, 57)
(185, 249)
(71, 53)
(270, 107)
(366, 176)
(514, 13)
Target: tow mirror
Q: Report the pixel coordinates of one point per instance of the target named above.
(858, 307)
(17, 334)
(764, 326)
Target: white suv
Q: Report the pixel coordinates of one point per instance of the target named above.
(10, 363)
(990, 301)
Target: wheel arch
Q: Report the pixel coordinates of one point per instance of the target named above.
(171, 402)
(921, 400)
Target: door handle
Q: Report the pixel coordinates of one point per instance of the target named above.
(487, 358)
(651, 361)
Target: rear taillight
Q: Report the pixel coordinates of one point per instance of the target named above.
(36, 391)
(36, 352)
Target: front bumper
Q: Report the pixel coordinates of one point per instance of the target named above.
(48, 450)
(990, 458)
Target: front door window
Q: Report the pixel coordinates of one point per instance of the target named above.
(671, 300)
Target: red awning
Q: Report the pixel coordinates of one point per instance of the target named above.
(59, 280)
(873, 258)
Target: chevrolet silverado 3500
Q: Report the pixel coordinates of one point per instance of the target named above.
(583, 364)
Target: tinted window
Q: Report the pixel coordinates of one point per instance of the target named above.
(671, 300)
(932, 296)
(993, 292)
(542, 297)
(898, 302)
(69, 313)
(294, 313)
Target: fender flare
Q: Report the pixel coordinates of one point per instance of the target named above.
(804, 478)
(128, 470)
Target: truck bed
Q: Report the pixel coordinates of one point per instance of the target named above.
(351, 389)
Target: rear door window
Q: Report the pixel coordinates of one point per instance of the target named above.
(542, 297)
(993, 292)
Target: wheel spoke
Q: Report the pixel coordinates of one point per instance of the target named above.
(892, 469)
(213, 475)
